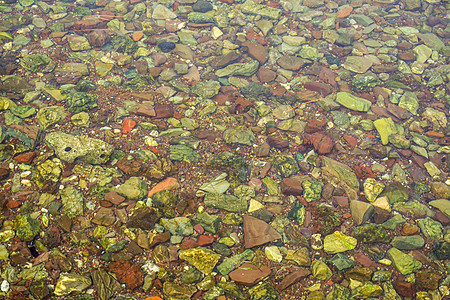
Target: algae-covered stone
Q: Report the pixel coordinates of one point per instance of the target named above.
(200, 18)
(79, 101)
(177, 292)
(50, 115)
(133, 189)
(71, 283)
(410, 102)
(353, 102)
(35, 62)
(78, 43)
(218, 185)
(299, 256)
(81, 120)
(183, 153)
(210, 223)
(312, 190)
(371, 233)
(23, 111)
(273, 188)
(340, 171)
(430, 228)
(226, 202)
(70, 148)
(443, 205)
(243, 69)
(26, 227)
(385, 127)
(239, 135)
(338, 242)
(72, 200)
(178, 226)
(399, 141)
(338, 292)
(229, 264)
(203, 259)
(368, 290)
(250, 7)
(373, 188)
(46, 175)
(287, 165)
(437, 118)
(273, 253)
(404, 263)
(165, 201)
(206, 89)
(231, 163)
(191, 275)
(320, 270)
(365, 83)
(411, 242)
(263, 292)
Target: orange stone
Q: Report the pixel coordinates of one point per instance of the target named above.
(137, 36)
(344, 12)
(169, 183)
(128, 125)
(153, 298)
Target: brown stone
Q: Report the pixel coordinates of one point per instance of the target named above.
(410, 229)
(322, 88)
(293, 278)
(98, 38)
(277, 142)
(127, 273)
(249, 274)
(159, 238)
(4, 173)
(407, 56)
(144, 109)
(328, 76)
(220, 62)
(114, 198)
(257, 51)
(104, 216)
(205, 240)
(290, 62)
(405, 289)
(322, 143)
(315, 125)
(341, 201)
(257, 232)
(427, 280)
(291, 186)
(266, 75)
(164, 111)
(404, 46)
(144, 217)
(399, 112)
(130, 167)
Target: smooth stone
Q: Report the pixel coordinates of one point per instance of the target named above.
(69, 283)
(357, 64)
(411, 242)
(385, 127)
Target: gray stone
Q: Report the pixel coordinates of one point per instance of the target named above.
(411, 242)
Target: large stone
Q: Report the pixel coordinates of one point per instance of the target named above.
(230, 264)
(243, 69)
(239, 135)
(105, 284)
(385, 127)
(353, 102)
(49, 116)
(83, 148)
(250, 7)
(257, 232)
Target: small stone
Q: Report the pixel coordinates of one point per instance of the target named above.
(404, 263)
(361, 211)
(372, 188)
(203, 259)
(231, 263)
(71, 283)
(338, 242)
(353, 102)
(430, 228)
(371, 233)
(258, 232)
(411, 242)
(273, 253)
(357, 64)
(263, 291)
(320, 270)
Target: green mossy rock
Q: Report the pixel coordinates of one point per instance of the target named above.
(26, 227)
(203, 259)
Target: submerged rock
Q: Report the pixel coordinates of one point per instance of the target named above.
(70, 148)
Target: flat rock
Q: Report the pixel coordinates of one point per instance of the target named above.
(257, 232)
(249, 274)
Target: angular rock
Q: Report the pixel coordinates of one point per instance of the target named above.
(249, 274)
(203, 259)
(258, 232)
(71, 283)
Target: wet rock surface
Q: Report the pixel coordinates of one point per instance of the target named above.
(224, 149)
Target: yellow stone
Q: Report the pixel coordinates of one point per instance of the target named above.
(382, 203)
(216, 33)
